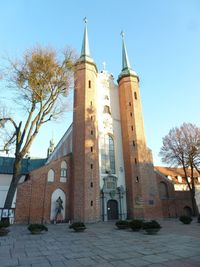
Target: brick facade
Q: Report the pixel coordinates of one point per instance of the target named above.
(86, 189)
(34, 195)
(142, 191)
(174, 203)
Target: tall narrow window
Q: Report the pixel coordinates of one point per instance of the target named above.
(108, 155)
(132, 128)
(63, 172)
(135, 95)
(50, 176)
(112, 154)
(89, 84)
(133, 143)
(91, 148)
(91, 166)
(91, 132)
(131, 114)
(129, 103)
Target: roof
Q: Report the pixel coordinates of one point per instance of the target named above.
(174, 171)
(6, 165)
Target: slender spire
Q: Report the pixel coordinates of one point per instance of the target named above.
(125, 61)
(126, 66)
(85, 51)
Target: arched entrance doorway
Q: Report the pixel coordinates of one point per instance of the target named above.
(55, 195)
(112, 209)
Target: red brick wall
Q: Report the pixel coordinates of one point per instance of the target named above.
(86, 198)
(142, 196)
(173, 206)
(33, 203)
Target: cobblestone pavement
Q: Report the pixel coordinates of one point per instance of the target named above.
(102, 245)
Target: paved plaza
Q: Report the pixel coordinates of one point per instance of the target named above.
(102, 245)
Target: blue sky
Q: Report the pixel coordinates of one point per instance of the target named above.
(163, 42)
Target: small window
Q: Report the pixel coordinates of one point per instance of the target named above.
(130, 104)
(63, 172)
(63, 169)
(135, 161)
(132, 128)
(50, 176)
(91, 184)
(135, 95)
(151, 202)
(91, 132)
(133, 143)
(91, 203)
(91, 148)
(131, 114)
(89, 84)
(91, 166)
(179, 179)
(106, 97)
(137, 179)
(91, 118)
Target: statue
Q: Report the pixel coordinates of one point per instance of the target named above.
(59, 208)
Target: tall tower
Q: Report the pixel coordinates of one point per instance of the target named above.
(86, 189)
(142, 191)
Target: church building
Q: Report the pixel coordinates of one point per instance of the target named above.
(102, 168)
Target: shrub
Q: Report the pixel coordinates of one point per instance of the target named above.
(185, 219)
(37, 228)
(151, 225)
(77, 225)
(122, 224)
(4, 224)
(136, 224)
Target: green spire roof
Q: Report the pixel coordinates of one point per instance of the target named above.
(85, 51)
(125, 61)
(126, 67)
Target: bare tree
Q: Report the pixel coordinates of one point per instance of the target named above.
(41, 81)
(181, 148)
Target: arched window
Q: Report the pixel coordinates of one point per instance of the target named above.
(63, 171)
(50, 176)
(163, 190)
(108, 155)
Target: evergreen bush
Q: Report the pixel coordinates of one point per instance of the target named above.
(185, 219)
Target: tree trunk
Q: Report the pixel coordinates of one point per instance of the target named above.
(13, 185)
(194, 205)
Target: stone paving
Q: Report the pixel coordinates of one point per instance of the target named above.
(102, 245)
